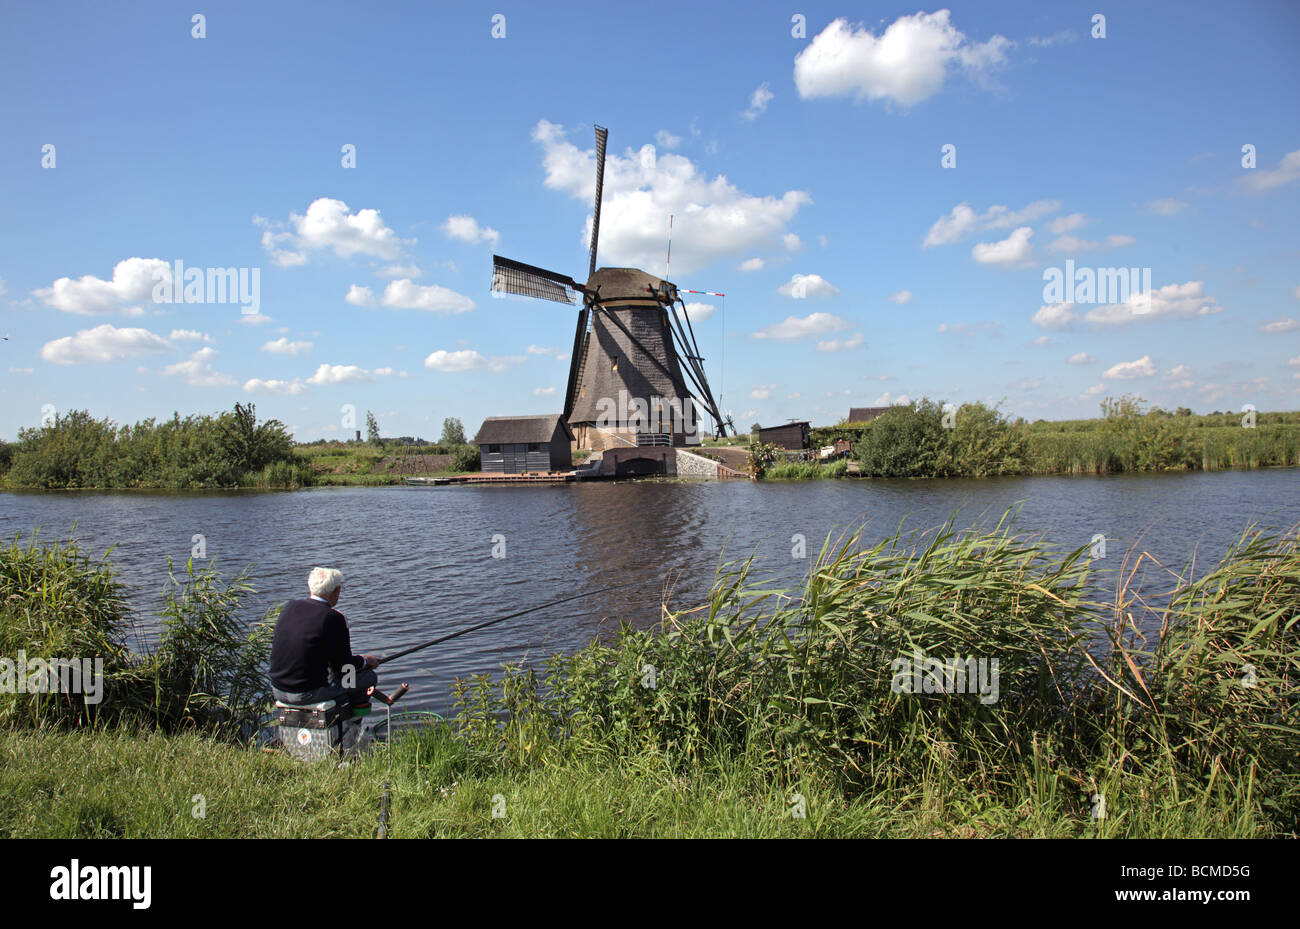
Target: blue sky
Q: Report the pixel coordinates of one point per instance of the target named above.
(804, 174)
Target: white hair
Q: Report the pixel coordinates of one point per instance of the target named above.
(324, 581)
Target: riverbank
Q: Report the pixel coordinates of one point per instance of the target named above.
(925, 440)
(119, 784)
(840, 712)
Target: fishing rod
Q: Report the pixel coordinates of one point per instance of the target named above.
(493, 622)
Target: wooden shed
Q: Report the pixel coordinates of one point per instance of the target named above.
(791, 436)
(525, 444)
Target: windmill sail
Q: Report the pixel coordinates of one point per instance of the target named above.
(602, 134)
(515, 277)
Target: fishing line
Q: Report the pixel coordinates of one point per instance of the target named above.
(500, 619)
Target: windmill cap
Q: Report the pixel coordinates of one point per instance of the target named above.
(627, 284)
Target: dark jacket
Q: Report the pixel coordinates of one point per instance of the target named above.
(311, 639)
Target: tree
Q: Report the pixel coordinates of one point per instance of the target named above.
(251, 447)
(753, 429)
(453, 433)
(372, 429)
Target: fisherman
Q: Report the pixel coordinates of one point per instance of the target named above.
(311, 656)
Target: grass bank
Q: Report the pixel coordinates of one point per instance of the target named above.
(927, 439)
(733, 717)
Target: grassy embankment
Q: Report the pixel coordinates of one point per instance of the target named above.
(228, 450)
(923, 440)
(731, 719)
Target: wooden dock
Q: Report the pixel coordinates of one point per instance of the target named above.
(558, 477)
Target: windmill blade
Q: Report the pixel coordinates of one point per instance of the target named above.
(575, 360)
(601, 135)
(515, 277)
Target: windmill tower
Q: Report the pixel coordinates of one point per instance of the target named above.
(636, 376)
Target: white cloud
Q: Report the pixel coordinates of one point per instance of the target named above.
(197, 370)
(22, 370)
(329, 224)
(952, 228)
(102, 345)
(801, 286)
(1063, 224)
(759, 393)
(468, 360)
(802, 327)
(836, 345)
(1295, 291)
(132, 284)
(1127, 370)
(792, 242)
(751, 264)
(1013, 251)
(901, 298)
(1166, 206)
(888, 399)
(1173, 301)
(906, 64)
(283, 346)
(714, 219)
(666, 140)
(1080, 358)
(407, 295)
(1294, 362)
(467, 229)
(1281, 324)
(345, 374)
(1260, 180)
(3, 288)
(360, 296)
(189, 335)
(258, 386)
(254, 319)
(698, 312)
(543, 391)
(962, 220)
(758, 101)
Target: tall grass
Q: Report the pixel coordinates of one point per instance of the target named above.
(804, 690)
(205, 673)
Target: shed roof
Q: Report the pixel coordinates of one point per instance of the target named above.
(865, 414)
(512, 429)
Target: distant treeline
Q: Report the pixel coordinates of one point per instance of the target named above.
(925, 439)
(230, 449)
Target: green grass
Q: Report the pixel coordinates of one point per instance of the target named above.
(111, 784)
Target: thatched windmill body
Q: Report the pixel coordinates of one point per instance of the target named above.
(636, 376)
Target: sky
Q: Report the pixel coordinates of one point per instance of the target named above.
(897, 202)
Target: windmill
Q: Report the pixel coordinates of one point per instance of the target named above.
(634, 352)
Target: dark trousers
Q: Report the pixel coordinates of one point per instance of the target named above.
(334, 690)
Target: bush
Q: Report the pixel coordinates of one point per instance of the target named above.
(465, 458)
(905, 441)
(78, 451)
(761, 457)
